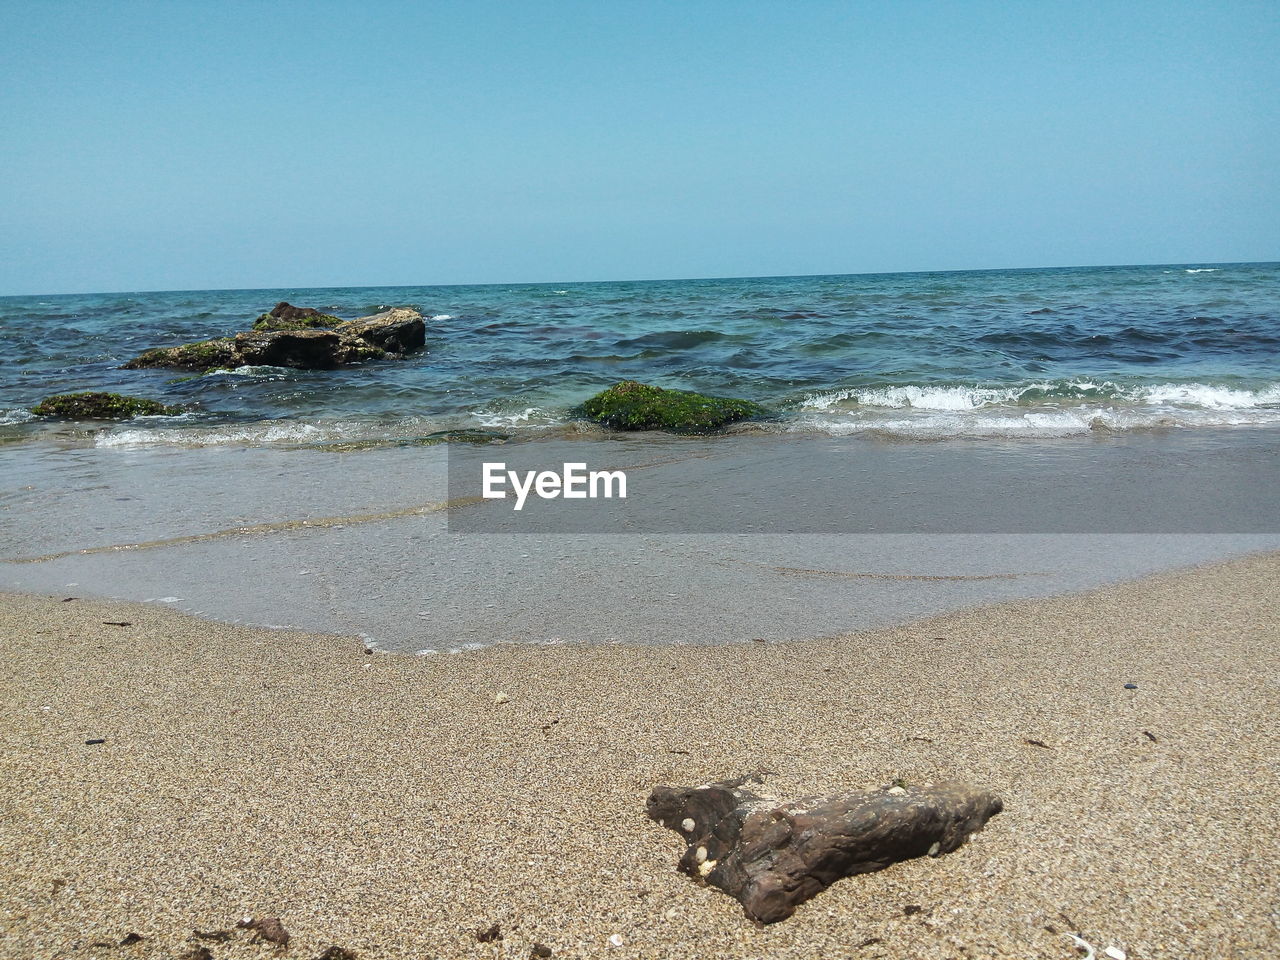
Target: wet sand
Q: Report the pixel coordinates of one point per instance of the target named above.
(389, 805)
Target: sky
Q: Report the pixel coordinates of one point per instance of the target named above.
(173, 145)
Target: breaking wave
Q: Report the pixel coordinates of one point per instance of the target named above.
(961, 397)
(1034, 410)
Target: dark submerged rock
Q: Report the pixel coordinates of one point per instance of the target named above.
(95, 405)
(302, 349)
(637, 406)
(773, 855)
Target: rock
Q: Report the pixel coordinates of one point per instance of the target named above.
(489, 934)
(290, 344)
(216, 354)
(539, 951)
(285, 316)
(269, 929)
(334, 952)
(637, 406)
(773, 855)
(197, 953)
(398, 330)
(95, 405)
(303, 349)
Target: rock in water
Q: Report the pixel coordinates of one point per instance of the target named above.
(773, 855)
(638, 406)
(285, 316)
(289, 343)
(216, 354)
(304, 349)
(398, 330)
(95, 405)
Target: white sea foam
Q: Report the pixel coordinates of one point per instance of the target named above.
(1202, 270)
(959, 398)
(529, 416)
(15, 415)
(1048, 423)
(1071, 408)
(919, 398)
(260, 370)
(1209, 396)
(443, 316)
(287, 431)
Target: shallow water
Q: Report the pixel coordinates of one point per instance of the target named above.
(383, 543)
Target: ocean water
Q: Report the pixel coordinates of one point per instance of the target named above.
(1052, 353)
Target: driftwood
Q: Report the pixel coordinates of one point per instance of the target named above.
(773, 855)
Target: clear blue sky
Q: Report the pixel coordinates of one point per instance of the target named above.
(172, 145)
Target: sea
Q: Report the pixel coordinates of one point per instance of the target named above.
(1037, 354)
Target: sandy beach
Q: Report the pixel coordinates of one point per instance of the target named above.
(389, 805)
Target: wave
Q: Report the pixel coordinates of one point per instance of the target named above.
(962, 397)
(16, 415)
(1041, 424)
(1045, 409)
(249, 434)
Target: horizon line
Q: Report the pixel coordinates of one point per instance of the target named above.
(544, 283)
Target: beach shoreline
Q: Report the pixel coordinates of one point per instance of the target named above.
(391, 805)
(719, 538)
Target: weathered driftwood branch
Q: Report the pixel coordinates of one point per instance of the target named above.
(773, 855)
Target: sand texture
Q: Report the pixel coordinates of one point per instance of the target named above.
(389, 805)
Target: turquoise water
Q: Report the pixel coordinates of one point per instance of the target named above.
(1034, 353)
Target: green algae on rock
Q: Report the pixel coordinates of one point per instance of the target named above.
(97, 405)
(205, 355)
(285, 316)
(637, 406)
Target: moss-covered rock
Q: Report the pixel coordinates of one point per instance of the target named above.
(204, 355)
(285, 316)
(94, 405)
(637, 406)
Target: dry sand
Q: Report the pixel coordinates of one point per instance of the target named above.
(389, 805)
